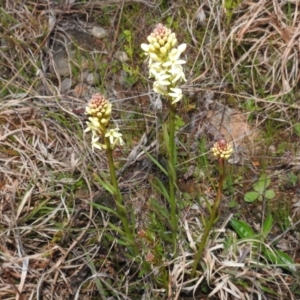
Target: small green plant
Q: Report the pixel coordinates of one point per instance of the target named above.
(133, 72)
(293, 179)
(297, 129)
(282, 215)
(178, 122)
(222, 150)
(129, 46)
(276, 257)
(260, 190)
(230, 6)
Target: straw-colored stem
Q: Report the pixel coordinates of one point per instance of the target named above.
(213, 216)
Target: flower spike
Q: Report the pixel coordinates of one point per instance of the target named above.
(222, 149)
(99, 112)
(165, 64)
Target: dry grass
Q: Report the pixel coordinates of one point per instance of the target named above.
(269, 32)
(53, 243)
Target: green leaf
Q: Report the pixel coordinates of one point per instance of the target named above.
(268, 290)
(157, 163)
(242, 228)
(107, 185)
(117, 229)
(270, 194)
(251, 196)
(280, 258)
(120, 207)
(262, 184)
(160, 209)
(178, 122)
(297, 128)
(160, 187)
(103, 207)
(267, 226)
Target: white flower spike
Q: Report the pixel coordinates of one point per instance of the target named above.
(165, 65)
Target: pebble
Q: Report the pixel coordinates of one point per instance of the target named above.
(272, 149)
(121, 56)
(81, 90)
(66, 85)
(98, 32)
(61, 62)
(92, 78)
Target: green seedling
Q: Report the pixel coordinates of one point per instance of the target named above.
(230, 6)
(260, 190)
(293, 179)
(129, 43)
(178, 122)
(297, 129)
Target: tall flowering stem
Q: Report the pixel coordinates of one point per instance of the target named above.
(222, 150)
(172, 155)
(99, 114)
(117, 194)
(165, 66)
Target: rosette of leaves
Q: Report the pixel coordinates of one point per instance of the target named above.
(260, 190)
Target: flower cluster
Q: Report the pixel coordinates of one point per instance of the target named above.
(99, 112)
(165, 64)
(222, 149)
(115, 137)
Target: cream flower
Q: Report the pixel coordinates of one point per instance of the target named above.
(175, 94)
(165, 65)
(93, 124)
(177, 74)
(115, 137)
(95, 142)
(162, 79)
(160, 89)
(222, 149)
(99, 111)
(176, 52)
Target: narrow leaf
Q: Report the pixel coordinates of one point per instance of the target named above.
(242, 229)
(160, 209)
(103, 207)
(280, 258)
(107, 185)
(267, 226)
(160, 187)
(157, 163)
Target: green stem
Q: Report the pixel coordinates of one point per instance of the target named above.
(121, 209)
(213, 216)
(172, 172)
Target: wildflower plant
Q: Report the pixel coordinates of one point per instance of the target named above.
(99, 115)
(222, 151)
(165, 66)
